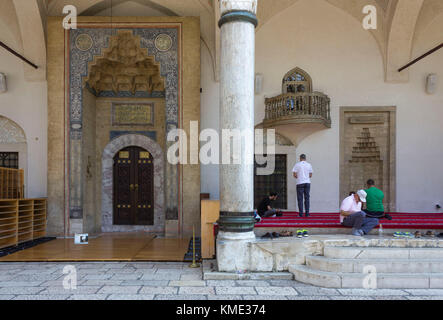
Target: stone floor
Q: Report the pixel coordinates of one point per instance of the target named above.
(166, 281)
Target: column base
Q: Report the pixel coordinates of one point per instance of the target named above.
(233, 251)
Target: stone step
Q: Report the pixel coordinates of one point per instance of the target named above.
(325, 279)
(382, 253)
(381, 265)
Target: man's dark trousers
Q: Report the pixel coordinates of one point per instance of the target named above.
(303, 190)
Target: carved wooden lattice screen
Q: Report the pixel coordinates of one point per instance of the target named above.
(276, 182)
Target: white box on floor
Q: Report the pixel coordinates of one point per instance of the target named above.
(81, 238)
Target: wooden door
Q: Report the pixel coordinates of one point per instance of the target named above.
(133, 187)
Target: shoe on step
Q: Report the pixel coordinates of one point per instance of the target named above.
(356, 232)
(299, 233)
(267, 235)
(275, 235)
(417, 234)
(305, 233)
(430, 234)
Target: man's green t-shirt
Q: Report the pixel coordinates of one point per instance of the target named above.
(374, 199)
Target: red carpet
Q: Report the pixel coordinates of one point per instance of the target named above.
(332, 220)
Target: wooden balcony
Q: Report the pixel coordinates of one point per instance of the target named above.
(297, 115)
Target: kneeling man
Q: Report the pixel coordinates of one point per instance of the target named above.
(352, 216)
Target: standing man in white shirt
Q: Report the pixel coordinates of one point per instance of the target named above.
(302, 172)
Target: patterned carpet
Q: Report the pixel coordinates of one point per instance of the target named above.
(332, 220)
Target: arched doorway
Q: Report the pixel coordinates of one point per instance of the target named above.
(133, 193)
(131, 147)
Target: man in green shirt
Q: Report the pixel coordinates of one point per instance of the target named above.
(374, 199)
(374, 202)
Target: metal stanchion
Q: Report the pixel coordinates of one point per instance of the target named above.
(193, 264)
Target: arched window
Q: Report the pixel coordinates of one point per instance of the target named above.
(297, 81)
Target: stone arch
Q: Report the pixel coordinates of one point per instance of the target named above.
(300, 76)
(400, 39)
(109, 152)
(13, 139)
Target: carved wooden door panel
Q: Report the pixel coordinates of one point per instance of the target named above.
(145, 188)
(133, 187)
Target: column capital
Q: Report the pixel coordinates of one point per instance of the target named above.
(238, 5)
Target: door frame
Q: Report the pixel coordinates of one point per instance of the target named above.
(109, 152)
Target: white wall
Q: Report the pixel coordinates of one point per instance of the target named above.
(345, 62)
(209, 119)
(26, 104)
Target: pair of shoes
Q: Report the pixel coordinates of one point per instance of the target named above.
(357, 232)
(286, 234)
(275, 235)
(417, 234)
(267, 235)
(430, 234)
(403, 235)
(302, 233)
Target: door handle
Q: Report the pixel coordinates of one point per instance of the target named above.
(136, 187)
(131, 187)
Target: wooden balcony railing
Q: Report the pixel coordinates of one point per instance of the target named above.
(301, 107)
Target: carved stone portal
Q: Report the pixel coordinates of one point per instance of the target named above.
(367, 151)
(125, 66)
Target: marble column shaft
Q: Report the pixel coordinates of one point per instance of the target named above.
(237, 63)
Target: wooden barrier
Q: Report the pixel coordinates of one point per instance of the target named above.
(210, 211)
(21, 220)
(12, 183)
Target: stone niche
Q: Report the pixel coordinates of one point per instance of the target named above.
(367, 150)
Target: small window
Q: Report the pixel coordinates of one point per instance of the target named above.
(296, 81)
(9, 160)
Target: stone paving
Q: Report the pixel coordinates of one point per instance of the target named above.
(167, 281)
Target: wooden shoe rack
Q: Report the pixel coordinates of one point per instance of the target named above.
(21, 220)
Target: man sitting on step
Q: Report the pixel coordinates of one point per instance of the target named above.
(351, 214)
(265, 209)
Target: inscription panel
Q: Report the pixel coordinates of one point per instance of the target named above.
(131, 114)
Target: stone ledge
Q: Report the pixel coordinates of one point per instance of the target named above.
(210, 273)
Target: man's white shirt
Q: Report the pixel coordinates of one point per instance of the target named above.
(303, 169)
(349, 205)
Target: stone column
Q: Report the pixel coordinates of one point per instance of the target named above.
(237, 62)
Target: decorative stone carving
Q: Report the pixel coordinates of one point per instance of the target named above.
(163, 42)
(83, 42)
(297, 103)
(11, 132)
(79, 62)
(245, 5)
(367, 141)
(132, 114)
(125, 66)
